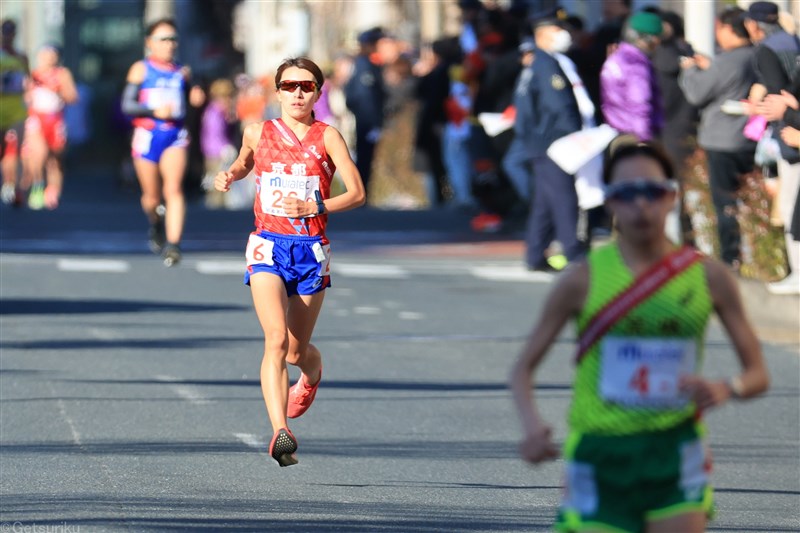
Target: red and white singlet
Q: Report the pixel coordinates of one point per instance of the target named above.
(285, 166)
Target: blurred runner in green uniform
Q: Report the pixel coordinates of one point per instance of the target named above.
(635, 457)
(13, 75)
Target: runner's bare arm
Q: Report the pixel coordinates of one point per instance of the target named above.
(68, 90)
(136, 73)
(243, 164)
(354, 195)
(728, 305)
(563, 303)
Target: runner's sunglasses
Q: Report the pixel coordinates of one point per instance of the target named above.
(291, 86)
(162, 38)
(650, 190)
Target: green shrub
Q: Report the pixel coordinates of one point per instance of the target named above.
(763, 246)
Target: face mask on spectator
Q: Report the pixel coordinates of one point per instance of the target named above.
(562, 40)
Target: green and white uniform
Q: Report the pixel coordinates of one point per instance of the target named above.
(634, 451)
(12, 88)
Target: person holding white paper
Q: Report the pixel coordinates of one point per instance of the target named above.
(550, 111)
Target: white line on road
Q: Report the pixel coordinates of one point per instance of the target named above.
(187, 392)
(220, 267)
(92, 265)
(353, 270)
(367, 310)
(250, 440)
(104, 334)
(410, 315)
(510, 273)
(76, 436)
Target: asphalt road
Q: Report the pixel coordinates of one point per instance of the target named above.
(129, 396)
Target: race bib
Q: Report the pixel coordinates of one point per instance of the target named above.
(46, 101)
(324, 259)
(142, 139)
(166, 96)
(645, 372)
(259, 250)
(276, 186)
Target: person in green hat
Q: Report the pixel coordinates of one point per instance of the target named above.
(629, 92)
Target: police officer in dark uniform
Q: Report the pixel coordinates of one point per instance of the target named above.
(553, 113)
(365, 97)
(517, 159)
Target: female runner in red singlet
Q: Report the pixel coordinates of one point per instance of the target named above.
(51, 88)
(293, 159)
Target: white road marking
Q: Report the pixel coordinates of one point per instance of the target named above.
(367, 310)
(410, 315)
(510, 273)
(104, 334)
(221, 267)
(355, 270)
(250, 440)
(93, 265)
(187, 392)
(76, 436)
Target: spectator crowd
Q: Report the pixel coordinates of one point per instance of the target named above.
(478, 117)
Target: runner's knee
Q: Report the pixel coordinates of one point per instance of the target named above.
(172, 192)
(300, 357)
(276, 344)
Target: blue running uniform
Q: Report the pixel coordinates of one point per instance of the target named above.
(302, 262)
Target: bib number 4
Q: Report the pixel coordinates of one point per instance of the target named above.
(645, 372)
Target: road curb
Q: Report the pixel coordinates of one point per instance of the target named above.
(776, 318)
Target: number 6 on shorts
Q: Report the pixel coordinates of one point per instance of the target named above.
(259, 251)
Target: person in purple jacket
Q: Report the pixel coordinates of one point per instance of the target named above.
(629, 93)
(217, 140)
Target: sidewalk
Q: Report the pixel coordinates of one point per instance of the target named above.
(776, 318)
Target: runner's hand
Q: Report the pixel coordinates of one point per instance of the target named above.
(163, 113)
(538, 447)
(704, 393)
(222, 181)
(297, 208)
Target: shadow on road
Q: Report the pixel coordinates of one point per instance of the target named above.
(31, 306)
(216, 513)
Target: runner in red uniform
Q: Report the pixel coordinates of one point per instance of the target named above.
(288, 256)
(51, 88)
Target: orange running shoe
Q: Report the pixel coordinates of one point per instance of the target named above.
(301, 396)
(50, 197)
(283, 446)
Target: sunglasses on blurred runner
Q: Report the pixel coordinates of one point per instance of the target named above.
(650, 190)
(162, 38)
(291, 86)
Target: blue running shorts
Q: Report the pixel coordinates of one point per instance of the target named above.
(302, 262)
(151, 144)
